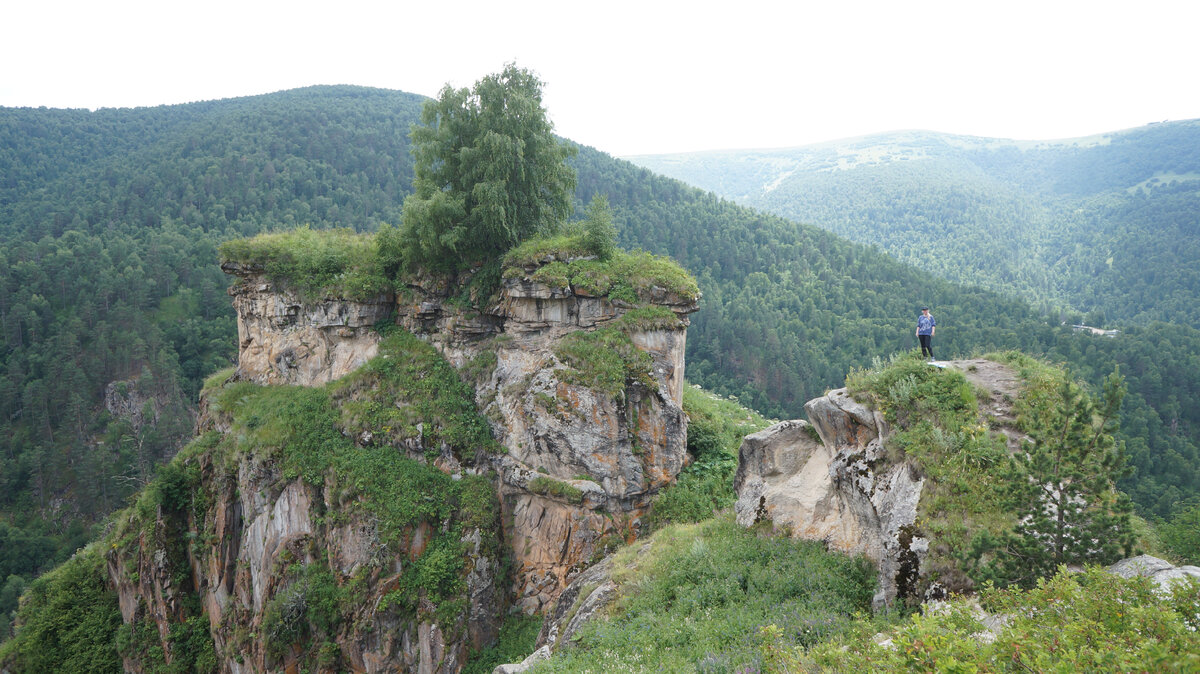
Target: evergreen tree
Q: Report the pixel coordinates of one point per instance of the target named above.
(488, 172)
(1067, 507)
(599, 233)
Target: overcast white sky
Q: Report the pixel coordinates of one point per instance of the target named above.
(643, 77)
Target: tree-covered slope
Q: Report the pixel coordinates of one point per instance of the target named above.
(110, 220)
(109, 225)
(1105, 224)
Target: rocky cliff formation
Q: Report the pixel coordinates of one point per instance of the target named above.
(583, 392)
(283, 339)
(373, 475)
(831, 479)
(258, 558)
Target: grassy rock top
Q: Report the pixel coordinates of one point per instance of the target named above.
(318, 263)
(342, 263)
(632, 277)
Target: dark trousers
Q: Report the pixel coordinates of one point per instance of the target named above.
(926, 345)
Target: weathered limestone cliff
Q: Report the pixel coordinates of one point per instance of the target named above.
(584, 456)
(374, 472)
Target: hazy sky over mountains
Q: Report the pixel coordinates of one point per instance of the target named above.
(643, 77)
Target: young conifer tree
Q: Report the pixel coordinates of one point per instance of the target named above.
(599, 232)
(1068, 510)
(489, 173)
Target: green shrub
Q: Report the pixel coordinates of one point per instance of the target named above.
(69, 619)
(604, 360)
(518, 635)
(627, 276)
(319, 263)
(548, 486)
(1089, 622)
(1181, 535)
(694, 599)
(412, 374)
(653, 317)
(599, 232)
(716, 427)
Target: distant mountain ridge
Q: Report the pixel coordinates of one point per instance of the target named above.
(1105, 223)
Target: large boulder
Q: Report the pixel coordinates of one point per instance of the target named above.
(830, 480)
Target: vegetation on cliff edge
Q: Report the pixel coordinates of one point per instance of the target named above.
(993, 514)
(1073, 622)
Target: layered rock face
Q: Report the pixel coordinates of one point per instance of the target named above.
(830, 481)
(582, 461)
(257, 525)
(284, 339)
(582, 464)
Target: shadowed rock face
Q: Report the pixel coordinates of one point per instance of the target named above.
(830, 481)
(582, 464)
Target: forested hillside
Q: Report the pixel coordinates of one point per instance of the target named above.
(109, 223)
(1105, 225)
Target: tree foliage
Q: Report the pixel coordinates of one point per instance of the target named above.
(599, 232)
(1062, 486)
(489, 172)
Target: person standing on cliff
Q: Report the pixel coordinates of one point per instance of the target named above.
(926, 326)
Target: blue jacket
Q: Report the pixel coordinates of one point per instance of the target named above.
(925, 324)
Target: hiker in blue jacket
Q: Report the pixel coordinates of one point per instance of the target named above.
(926, 326)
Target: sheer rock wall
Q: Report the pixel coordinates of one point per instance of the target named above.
(581, 464)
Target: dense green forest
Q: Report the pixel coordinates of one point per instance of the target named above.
(1105, 225)
(110, 221)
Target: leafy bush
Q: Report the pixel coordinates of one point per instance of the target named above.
(1073, 622)
(628, 276)
(599, 232)
(716, 427)
(695, 598)
(68, 621)
(322, 262)
(518, 634)
(604, 360)
(548, 486)
(1181, 535)
(410, 382)
(309, 608)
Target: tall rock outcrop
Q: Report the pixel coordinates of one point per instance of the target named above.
(832, 479)
(829, 480)
(586, 450)
(286, 339)
(351, 504)
(262, 552)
